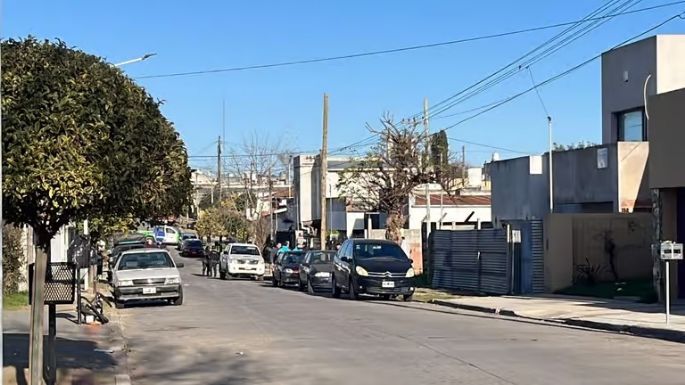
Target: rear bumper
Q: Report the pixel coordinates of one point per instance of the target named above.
(291, 278)
(403, 286)
(135, 293)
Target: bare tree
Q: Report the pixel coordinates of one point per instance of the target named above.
(255, 163)
(385, 178)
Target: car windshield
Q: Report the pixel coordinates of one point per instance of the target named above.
(321, 257)
(121, 248)
(194, 243)
(135, 261)
(376, 250)
(291, 258)
(245, 250)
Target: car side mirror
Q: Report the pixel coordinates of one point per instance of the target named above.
(180, 265)
(346, 259)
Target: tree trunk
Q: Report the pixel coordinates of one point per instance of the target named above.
(37, 305)
(394, 223)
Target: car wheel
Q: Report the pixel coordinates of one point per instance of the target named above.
(118, 304)
(222, 274)
(353, 294)
(408, 297)
(310, 288)
(273, 281)
(178, 301)
(335, 290)
(228, 276)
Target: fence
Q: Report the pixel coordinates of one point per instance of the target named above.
(495, 261)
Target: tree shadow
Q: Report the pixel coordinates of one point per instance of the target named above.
(71, 354)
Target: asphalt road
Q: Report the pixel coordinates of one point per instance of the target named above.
(246, 332)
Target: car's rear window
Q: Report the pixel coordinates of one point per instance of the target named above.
(194, 242)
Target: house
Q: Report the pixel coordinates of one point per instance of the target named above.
(602, 202)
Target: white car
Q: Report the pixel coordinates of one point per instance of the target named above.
(241, 260)
(146, 274)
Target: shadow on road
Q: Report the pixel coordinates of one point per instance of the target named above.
(71, 354)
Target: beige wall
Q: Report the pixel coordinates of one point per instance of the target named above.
(633, 184)
(570, 239)
(667, 139)
(670, 63)
(558, 252)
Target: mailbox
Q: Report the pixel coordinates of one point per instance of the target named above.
(671, 251)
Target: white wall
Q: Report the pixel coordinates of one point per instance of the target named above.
(451, 214)
(355, 221)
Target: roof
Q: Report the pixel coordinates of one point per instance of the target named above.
(242, 244)
(381, 241)
(458, 200)
(144, 250)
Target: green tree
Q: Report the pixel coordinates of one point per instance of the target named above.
(81, 140)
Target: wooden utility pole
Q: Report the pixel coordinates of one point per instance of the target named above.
(324, 172)
(218, 166)
(463, 166)
(426, 132)
(36, 337)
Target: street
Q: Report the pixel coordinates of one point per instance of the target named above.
(246, 332)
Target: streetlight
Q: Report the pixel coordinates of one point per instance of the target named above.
(136, 60)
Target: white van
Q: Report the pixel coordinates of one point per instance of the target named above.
(167, 235)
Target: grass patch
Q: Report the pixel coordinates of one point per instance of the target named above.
(427, 295)
(15, 301)
(641, 289)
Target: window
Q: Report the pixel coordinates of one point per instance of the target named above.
(378, 250)
(631, 127)
(244, 250)
(170, 230)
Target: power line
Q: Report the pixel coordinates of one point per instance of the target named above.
(490, 146)
(542, 103)
(404, 49)
(548, 47)
(564, 73)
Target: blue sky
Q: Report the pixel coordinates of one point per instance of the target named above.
(285, 103)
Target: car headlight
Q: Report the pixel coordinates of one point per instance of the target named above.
(322, 274)
(172, 281)
(126, 283)
(361, 271)
(288, 271)
(410, 272)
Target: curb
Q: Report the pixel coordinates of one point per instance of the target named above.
(639, 331)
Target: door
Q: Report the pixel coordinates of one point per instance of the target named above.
(304, 267)
(338, 271)
(160, 236)
(170, 235)
(680, 226)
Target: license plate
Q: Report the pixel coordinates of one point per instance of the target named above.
(388, 284)
(149, 290)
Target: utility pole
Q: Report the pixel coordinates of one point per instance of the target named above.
(463, 166)
(218, 166)
(324, 172)
(426, 132)
(271, 206)
(551, 171)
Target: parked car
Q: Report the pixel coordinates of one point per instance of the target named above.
(192, 248)
(121, 246)
(146, 274)
(167, 235)
(286, 269)
(372, 266)
(315, 270)
(184, 237)
(241, 260)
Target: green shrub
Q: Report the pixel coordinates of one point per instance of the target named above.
(12, 259)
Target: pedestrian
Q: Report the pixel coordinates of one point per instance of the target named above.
(149, 243)
(285, 247)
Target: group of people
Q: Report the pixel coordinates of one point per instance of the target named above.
(210, 264)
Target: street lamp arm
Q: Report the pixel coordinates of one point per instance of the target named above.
(144, 57)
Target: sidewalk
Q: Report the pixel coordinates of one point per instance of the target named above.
(86, 354)
(647, 320)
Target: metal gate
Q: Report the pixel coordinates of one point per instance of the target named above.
(472, 260)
